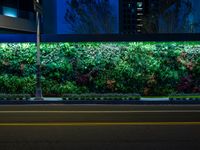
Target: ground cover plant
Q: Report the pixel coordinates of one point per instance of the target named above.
(147, 68)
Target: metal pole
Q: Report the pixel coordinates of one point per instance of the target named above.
(38, 94)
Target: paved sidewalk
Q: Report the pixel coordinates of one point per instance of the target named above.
(142, 99)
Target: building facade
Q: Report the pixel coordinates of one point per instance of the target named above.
(127, 16)
(17, 16)
(131, 13)
(138, 16)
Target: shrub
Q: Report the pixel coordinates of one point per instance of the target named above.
(147, 68)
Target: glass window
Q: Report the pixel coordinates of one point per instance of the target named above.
(10, 12)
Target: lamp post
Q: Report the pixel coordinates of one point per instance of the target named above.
(38, 94)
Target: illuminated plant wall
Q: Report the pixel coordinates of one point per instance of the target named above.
(148, 68)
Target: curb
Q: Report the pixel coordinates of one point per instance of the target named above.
(114, 102)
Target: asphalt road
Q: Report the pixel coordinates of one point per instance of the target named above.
(100, 127)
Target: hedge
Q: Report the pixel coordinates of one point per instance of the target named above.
(146, 68)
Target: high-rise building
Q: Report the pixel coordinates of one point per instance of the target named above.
(131, 13)
(17, 16)
(151, 16)
(126, 16)
(138, 16)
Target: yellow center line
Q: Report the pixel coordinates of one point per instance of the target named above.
(102, 124)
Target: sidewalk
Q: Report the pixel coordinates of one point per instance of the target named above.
(142, 99)
(58, 100)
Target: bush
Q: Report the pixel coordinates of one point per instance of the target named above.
(147, 68)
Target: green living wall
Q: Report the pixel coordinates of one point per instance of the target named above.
(148, 68)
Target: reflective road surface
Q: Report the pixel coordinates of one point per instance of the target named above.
(100, 127)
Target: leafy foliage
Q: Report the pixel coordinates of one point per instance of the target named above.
(148, 68)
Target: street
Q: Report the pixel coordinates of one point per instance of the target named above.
(100, 127)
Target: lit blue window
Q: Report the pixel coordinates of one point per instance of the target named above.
(11, 12)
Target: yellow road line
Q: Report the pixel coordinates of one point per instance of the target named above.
(103, 124)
